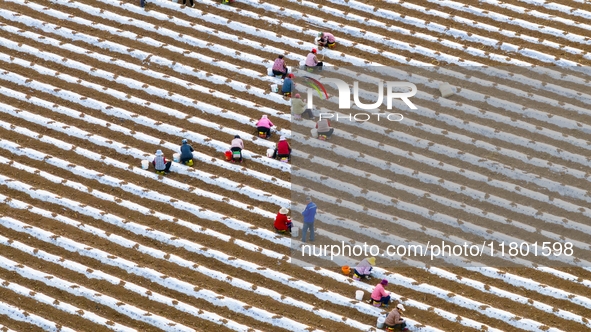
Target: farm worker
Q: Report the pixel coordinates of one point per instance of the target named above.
(237, 145)
(279, 67)
(323, 127)
(380, 295)
(186, 153)
(312, 61)
(288, 85)
(309, 215)
(264, 126)
(298, 107)
(283, 149)
(394, 321)
(326, 39)
(364, 268)
(160, 163)
(282, 222)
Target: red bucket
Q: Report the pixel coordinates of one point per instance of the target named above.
(228, 155)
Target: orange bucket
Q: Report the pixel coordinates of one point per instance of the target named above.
(346, 270)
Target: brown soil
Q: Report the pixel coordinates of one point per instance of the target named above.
(199, 280)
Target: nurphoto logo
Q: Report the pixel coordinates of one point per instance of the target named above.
(345, 93)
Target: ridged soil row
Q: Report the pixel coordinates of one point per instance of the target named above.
(48, 312)
(501, 158)
(305, 38)
(541, 106)
(157, 116)
(148, 147)
(384, 32)
(540, 21)
(162, 84)
(328, 284)
(482, 32)
(420, 201)
(173, 230)
(487, 154)
(105, 132)
(174, 13)
(141, 17)
(174, 271)
(115, 291)
(539, 277)
(372, 222)
(439, 191)
(141, 181)
(199, 280)
(82, 303)
(258, 40)
(16, 325)
(457, 178)
(173, 56)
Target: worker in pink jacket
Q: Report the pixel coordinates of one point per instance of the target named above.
(264, 126)
(237, 145)
(380, 295)
(326, 39)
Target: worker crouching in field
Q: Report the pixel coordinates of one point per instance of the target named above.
(312, 63)
(282, 222)
(324, 129)
(186, 153)
(288, 85)
(283, 150)
(236, 147)
(379, 296)
(279, 67)
(363, 270)
(326, 39)
(160, 163)
(264, 127)
(298, 108)
(394, 321)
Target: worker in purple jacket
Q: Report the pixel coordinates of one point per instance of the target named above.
(309, 215)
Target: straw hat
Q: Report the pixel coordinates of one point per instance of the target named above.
(184, 141)
(372, 260)
(400, 307)
(159, 153)
(282, 138)
(284, 211)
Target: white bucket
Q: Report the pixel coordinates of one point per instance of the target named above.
(295, 231)
(270, 153)
(380, 322)
(270, 71)
(145, 164)
(314, 132)
(176, 157)
(446, 90)
(289, 69)
(274, 88)
(359, 295)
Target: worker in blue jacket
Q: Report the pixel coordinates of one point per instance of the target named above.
(309, 215)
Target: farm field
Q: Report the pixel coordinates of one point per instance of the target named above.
(90, 241)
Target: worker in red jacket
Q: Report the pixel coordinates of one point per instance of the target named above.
(283, 150)
(282, 222)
